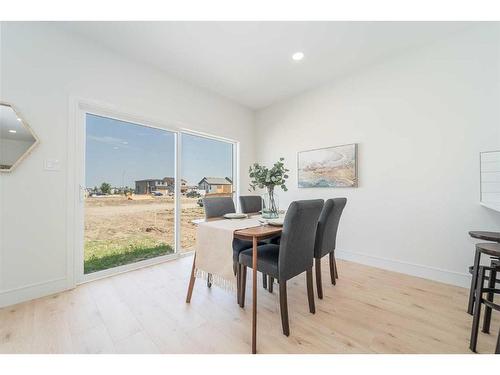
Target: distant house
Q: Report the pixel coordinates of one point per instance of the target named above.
(216, 185)
(184, 186)
(165, 185)
(147, 186)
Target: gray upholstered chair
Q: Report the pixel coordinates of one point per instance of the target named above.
(293, 256)
(218, 206)
(326, 236)
(250, 203)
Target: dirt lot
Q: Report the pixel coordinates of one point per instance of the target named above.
(115, 219)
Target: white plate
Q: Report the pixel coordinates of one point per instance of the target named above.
(275, 222)
(235, 216)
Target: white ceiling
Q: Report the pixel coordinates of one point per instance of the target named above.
(250, 62)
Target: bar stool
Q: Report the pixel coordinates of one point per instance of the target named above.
(491, 290)
(494, 254)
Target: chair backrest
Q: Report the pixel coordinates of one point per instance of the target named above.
(328, 224)
(250, 203)
(218, 206)
(298, 236)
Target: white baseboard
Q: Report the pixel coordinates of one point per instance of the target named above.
(29, 292)
(426, 272)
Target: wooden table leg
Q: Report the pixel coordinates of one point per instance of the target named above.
(254, 296)
(191, 282)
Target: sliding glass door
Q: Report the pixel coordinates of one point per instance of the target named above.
(129, 193)
(141, 188)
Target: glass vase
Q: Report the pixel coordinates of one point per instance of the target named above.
(270, 205)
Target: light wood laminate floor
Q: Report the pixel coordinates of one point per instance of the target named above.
(369, 311)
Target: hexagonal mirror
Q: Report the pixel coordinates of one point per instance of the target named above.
(16, 138)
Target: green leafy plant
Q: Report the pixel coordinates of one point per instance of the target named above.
(105, 188)
(268, 178)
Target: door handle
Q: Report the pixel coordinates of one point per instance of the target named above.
(82, 193)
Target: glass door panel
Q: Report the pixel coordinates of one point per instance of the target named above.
(129, 189)
(207, 170)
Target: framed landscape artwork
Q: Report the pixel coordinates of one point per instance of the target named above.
(328, 167)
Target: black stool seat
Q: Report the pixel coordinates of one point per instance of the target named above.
(489, 248)
(487, 236)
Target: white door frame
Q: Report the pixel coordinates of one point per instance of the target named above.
(76, 182)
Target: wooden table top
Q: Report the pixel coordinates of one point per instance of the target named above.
(261, 232)
(487, 236)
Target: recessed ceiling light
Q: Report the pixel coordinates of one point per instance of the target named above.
(12, 131)
(297, 56)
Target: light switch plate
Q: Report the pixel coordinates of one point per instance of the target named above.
(52, 165)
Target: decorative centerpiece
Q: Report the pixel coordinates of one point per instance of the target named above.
(263, 177)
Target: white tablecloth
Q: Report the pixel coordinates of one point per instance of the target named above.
(214, 250)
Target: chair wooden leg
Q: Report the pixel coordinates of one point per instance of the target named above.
(243, 285)
(271, 284)
(489, 297)
(310, 290)
(497, 349)
(335, 266)
(238, 282)
(191, 282)
(332, 269)
(319, 287)
(477, 310)
(473, 283)
(264, 281)
(284, 308)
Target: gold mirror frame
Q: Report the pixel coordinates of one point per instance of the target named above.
(29, 129)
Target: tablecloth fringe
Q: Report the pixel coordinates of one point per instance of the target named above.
(229, 285)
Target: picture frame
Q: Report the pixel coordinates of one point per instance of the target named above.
(328, 167)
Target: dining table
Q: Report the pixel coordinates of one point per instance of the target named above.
(253, 234)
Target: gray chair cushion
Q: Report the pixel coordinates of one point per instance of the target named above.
(240, 245)
(275, 240)
(328, 223)
(250, 203)
(218, 206)
(267, 259)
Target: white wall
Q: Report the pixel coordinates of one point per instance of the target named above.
(421, 120)
(41, 67)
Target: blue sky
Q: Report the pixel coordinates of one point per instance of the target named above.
(120, 152)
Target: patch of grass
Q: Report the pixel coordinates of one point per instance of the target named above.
(104, 254)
